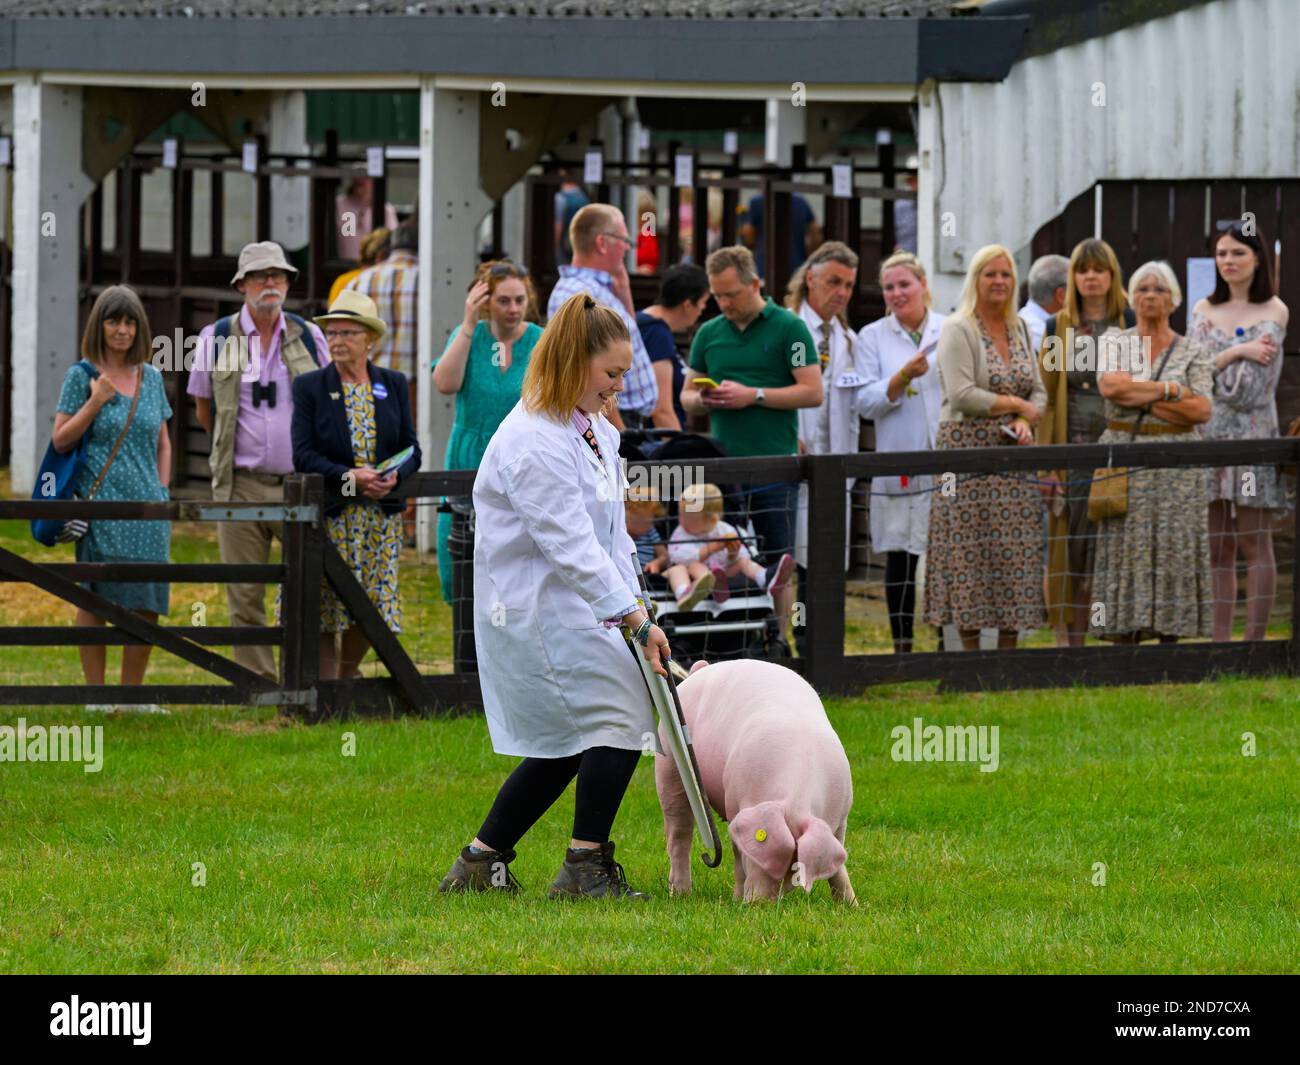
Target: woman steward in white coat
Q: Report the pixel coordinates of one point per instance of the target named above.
(553, 578)
(902, 396)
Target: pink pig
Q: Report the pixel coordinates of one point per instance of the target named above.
(772, 768)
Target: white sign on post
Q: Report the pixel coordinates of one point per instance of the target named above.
(643, 139)
(684, 170)
(593, 167)
(842, 180)
(249, 161)
(375, 162)
(731, 142)
(1200, 280)
(6, 151)
(169, 153)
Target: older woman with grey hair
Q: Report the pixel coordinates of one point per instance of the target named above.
(1152, 569)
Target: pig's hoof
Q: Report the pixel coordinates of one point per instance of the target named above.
(678, 891)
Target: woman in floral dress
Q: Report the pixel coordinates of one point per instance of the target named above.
(984, 564)
(1242, 324)
(1151, 577)
(348, 418)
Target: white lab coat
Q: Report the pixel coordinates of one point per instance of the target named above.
(900, 515)
(552, 558)
(832, 428)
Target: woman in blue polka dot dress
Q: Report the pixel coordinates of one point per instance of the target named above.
(117, 343)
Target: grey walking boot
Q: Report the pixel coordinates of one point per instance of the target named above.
(487, 872)
(593, 874)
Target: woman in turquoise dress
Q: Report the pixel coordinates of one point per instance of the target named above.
(117, 344)
(483, 366)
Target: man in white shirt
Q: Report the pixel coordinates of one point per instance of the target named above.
(1046, 295)
(819, 293)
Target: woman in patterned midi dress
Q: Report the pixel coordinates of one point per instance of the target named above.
(984, 564)
(364, 526)
(117, 343)
(1242, 325)
(1152, 571)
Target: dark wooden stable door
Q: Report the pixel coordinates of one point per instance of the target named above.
(1175, 221)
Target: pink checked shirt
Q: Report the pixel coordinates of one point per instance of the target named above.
(263, 441)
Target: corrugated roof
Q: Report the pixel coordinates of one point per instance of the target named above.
(687, 9)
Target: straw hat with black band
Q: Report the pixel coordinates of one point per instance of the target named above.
(354, 306)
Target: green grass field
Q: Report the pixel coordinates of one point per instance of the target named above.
(317, 861)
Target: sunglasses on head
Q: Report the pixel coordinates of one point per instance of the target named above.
(507, 269)
(1234, 226)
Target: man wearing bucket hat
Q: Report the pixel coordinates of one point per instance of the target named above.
(242, 385)
(349, 420)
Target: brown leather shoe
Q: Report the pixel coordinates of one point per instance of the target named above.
(487, 872)
(593, 874)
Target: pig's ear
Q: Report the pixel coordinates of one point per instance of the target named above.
(764, 838)
(699, 665)
(818, 853)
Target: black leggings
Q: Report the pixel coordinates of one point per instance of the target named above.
(900, 592)
(603, 775)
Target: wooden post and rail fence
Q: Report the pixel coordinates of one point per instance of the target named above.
(308, 558)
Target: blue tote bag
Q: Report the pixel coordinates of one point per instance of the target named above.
(57, 478)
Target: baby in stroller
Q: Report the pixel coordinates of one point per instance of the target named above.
(704, 551)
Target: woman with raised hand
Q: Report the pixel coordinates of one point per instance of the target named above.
(902, 395)
(483, 366)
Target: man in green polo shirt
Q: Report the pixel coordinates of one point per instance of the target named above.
(765, 364)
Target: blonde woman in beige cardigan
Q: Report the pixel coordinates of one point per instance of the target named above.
(984, 567)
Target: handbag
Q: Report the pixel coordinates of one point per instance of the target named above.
(1108, 493)
(1288, 469)
(66, 470)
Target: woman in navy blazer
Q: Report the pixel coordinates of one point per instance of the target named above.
(348, 418)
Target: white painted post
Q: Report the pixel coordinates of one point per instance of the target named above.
(452, 205)
(786, 125)
(290, 225)
(945, 287)
(49, 188)
(513, 208)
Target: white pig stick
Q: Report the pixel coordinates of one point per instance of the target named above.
(673, 719)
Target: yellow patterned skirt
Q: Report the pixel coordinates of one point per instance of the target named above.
(370, 542)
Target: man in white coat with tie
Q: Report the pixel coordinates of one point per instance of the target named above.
(553, 580)
(819, 292)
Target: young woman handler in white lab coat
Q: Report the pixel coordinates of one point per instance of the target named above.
(553, 578)
(902, 396)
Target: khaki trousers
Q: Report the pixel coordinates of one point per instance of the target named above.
(249, 542)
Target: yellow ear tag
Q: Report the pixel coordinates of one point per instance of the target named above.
(761, 835)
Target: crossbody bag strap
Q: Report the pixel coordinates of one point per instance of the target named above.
(139, 387)
(1159, 370)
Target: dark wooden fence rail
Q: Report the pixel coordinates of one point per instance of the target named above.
(309, 558)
